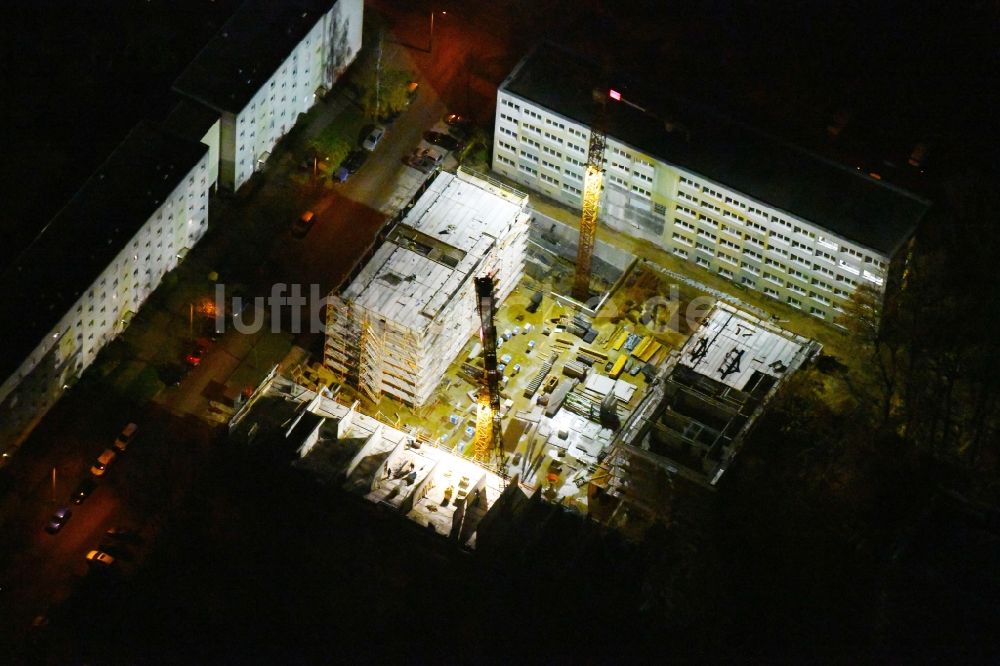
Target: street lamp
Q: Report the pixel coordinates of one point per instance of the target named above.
(430, 46)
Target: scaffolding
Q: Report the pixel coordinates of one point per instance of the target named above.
(405, 316)
(370, 374)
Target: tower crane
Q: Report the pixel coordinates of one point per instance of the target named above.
(593, 183)
(488, 444)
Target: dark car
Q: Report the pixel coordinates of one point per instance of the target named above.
(411, 92)
(458, 126)
(58, 519)
(456, 120)
(119, 551)
(390, 116)
(446, 141)
(354, 161)
(83, 490)
(197, 353)
(303, 224)
(172, 374)
(126, 534)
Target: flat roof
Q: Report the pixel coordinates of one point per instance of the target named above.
(844, 201)
(77, 245)
(731, 346)
(247, 50)
(429, 256)
(190, 119)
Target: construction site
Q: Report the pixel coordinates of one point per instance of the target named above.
(396, 326)
(464, 383)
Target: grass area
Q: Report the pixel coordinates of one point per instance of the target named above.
(270, 349)
(144, 385)
(476, 154)
(337, 139)
(392, 81)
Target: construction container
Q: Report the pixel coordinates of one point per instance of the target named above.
(618, 366)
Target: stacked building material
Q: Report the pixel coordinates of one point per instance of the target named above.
(558, 396)
(596, 355)
(575, 369)
(536, 381)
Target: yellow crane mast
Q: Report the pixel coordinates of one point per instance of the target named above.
(593, 183)
(488, 444)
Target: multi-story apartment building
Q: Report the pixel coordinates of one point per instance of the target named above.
(399, 324)
(764, 214)
(80, 282)
(197, 122)
(268, 64)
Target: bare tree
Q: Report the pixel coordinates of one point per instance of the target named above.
(878, 342)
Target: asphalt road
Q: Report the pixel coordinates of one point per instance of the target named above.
(39, 571)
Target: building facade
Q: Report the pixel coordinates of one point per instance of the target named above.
(268, 64)
(401, 322)
(719, 195)
(77, 286)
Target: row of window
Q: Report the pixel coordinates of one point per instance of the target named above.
(826, 243)
(749, 239)
(752, 225)
(724, 243)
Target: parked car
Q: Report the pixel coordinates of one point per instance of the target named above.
(126, 435)
(58, 519)
(411, 92)
(426, 159)
(374, 137)
(389, 116)
(354, 161)
(303, 224)
(83, 490)
(446, 141)
(456, 120)
(172, 374)
(117, 550)
(197, 352)
(100, 466)
(458, 126)
(100, 557)
(123, 533)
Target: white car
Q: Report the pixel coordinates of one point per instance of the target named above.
(426, 160)
(373, 138)
(121, 443)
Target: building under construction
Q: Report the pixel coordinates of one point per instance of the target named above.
(693, 423)
(399, 324)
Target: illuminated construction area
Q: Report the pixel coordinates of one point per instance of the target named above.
(467, 378)
(438, 490)
(395, 328)
(605, 415)
(691, 425)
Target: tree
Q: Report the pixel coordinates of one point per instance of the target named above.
(880, 343)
